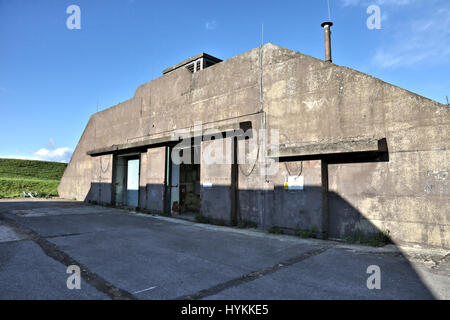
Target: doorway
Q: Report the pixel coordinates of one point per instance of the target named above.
(184, 182)
(126, 180)
(133, 182)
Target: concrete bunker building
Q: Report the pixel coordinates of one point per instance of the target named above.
(355, 154)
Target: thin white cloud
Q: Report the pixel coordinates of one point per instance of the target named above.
(44, 154)
(353, 3)
(211, 25)
(395, 2)
(17, 156)
(427, 42)
(58, 154)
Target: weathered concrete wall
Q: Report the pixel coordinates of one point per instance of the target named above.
(154, 179)
(174, 101)
(77, 178)
(143, 178)
(101, 185)
(409, 195)
(252, 187)
(215, 179)
(312, 101)
(300, 209)
(309, 102)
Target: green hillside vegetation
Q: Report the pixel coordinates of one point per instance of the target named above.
(41, 177)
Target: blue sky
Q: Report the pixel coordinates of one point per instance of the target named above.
(52, 78)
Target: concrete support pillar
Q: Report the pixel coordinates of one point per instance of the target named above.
(143, 180)
(234, 184)
(324, 225)
(154, 182)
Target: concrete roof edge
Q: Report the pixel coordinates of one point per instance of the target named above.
(278, 46)
(355, 70)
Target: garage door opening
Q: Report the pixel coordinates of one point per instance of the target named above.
(184, 181)
(126, 181)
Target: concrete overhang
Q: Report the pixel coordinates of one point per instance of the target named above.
(229, 130)
(129, 147)
(334, 150)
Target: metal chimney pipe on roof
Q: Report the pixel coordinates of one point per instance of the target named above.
(327, 30)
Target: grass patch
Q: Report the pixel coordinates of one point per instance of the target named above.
(41, 177)
(379, 239)
(144, 211)
(202, 219)
(304, 233)
(12, 188)
(163, 214)
(275, 230)
(247, 224)
(31, 169)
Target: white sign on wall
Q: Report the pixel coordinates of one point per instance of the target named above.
(294, 183)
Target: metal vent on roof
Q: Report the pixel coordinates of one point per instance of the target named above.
(195, 64)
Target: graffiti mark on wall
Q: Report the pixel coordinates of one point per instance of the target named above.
(437, 182)
(318, 103)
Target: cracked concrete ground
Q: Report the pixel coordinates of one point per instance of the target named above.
(125, 255)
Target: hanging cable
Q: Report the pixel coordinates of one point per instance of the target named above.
(254, 164)
(285, 164)
(289, 171)
(107, 166)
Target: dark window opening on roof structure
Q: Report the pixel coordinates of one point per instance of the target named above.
(196, 63)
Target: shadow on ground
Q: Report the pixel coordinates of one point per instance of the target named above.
(128, 255)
